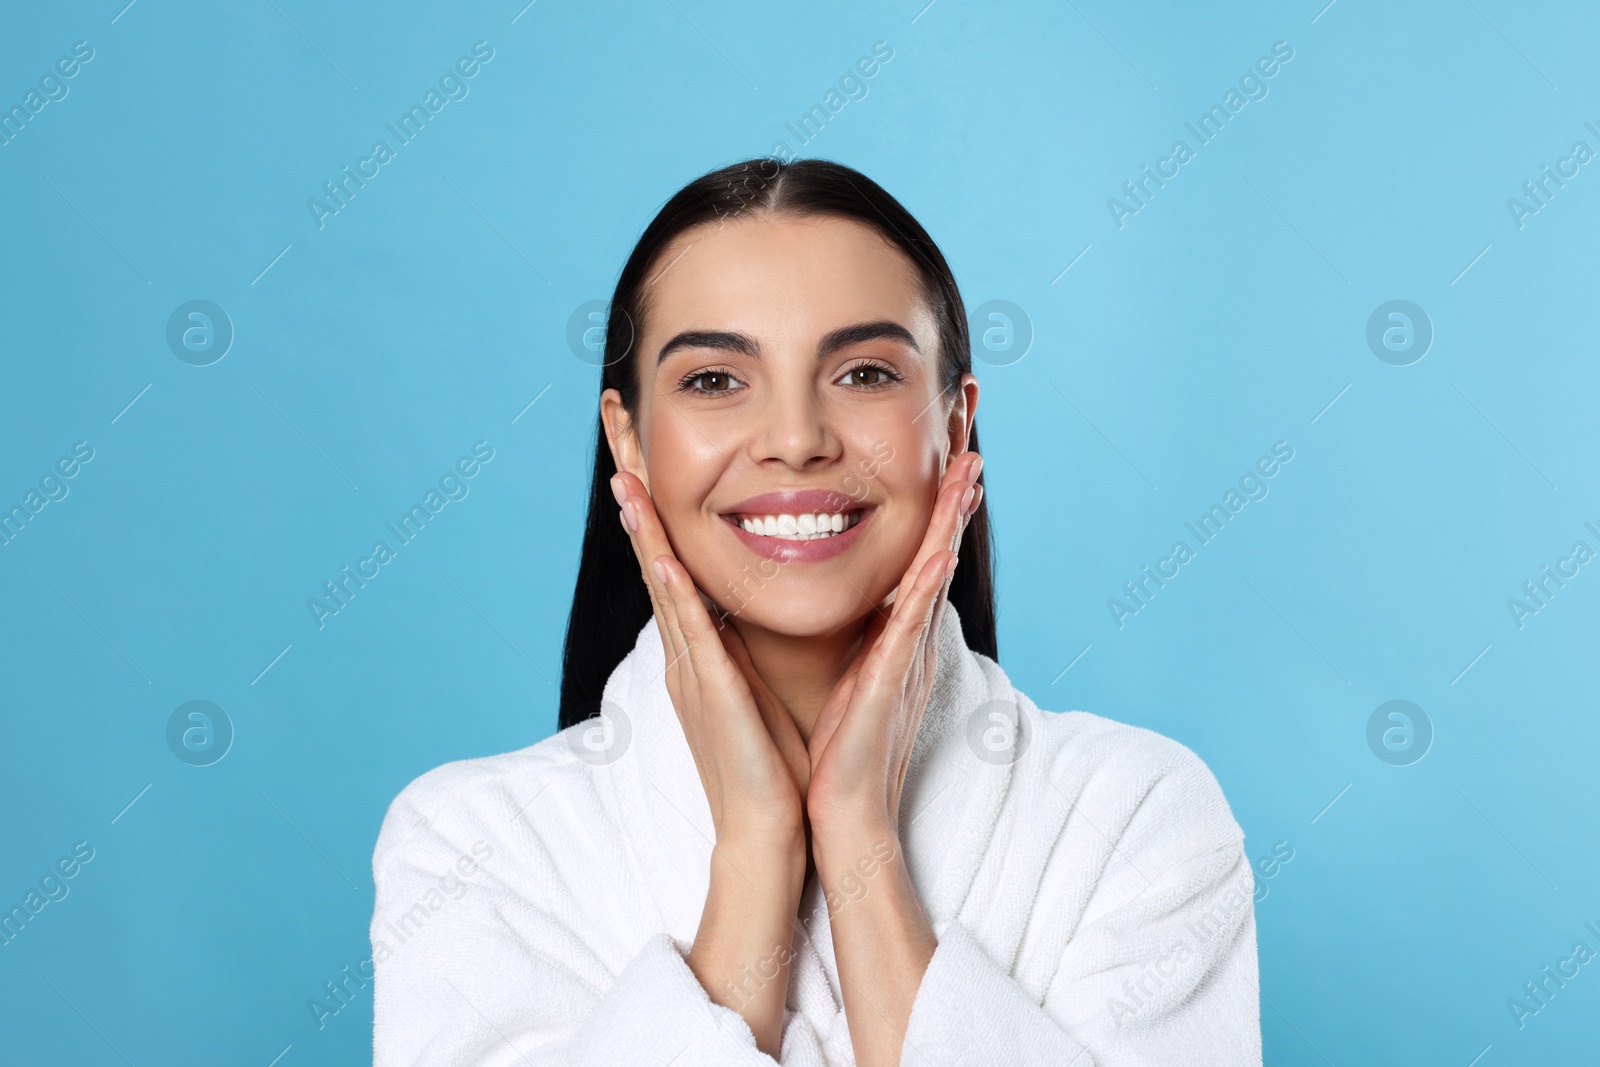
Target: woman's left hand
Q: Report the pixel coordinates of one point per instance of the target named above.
(862, 740)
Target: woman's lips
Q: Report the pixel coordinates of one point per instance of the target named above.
(812, 551)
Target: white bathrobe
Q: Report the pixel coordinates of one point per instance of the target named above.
(1086, 881)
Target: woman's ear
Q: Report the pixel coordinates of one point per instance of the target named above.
(622, 436)
(963, 410)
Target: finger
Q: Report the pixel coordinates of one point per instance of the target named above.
(752, 726)
(713, 609)
(888, 678)
(966, 515)
(957, 496)
(658, 607)
(904, 634)
(779, 722)
(869, 638)
(707, 654)
(642, 557)
(885, 658)
(736, 649)
(649, 540)
(673, 646)
(969, 508)
(832, 713)
(739, 652)
(839, 699)
(945, 524)
(970, 498)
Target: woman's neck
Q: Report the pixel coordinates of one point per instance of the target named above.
(801, 671)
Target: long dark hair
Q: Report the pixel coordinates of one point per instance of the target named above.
(610, 603)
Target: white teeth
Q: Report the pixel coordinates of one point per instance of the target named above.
(807, 527)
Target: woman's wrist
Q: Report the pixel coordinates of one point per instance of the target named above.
(883, 938)
(841, 826)
(851, 851)
(744, 945)
(766, 837)
(769, 860)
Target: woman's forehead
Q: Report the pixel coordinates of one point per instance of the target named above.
(765, 272)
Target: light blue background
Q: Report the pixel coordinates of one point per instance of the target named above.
(426, 315)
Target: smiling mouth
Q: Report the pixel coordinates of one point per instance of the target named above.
(807, 526)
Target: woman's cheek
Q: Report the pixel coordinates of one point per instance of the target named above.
(906, 525)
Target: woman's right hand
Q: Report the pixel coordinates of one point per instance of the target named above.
(750, 756)
(755, 769)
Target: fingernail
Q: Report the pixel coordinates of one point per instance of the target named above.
(616, 488)
(661, 572)
(977, 499)
(950, 568)
(629, 519)
(966, 500)
(977, 469)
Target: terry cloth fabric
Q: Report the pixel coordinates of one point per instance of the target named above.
(1091, 897)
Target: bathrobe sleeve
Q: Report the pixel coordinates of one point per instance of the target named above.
(1161, 966)
(483, 956)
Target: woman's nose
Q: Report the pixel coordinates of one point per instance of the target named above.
(794, 428)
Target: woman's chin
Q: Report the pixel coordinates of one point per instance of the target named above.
(809, 613)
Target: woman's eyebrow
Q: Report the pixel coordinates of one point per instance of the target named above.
(866, 331)
(723, 339)
(745, 344)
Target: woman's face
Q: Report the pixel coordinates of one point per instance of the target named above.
(790, 427)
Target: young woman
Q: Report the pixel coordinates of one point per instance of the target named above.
(796, 811)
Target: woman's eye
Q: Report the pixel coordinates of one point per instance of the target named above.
(711, 381)
(869, 375)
